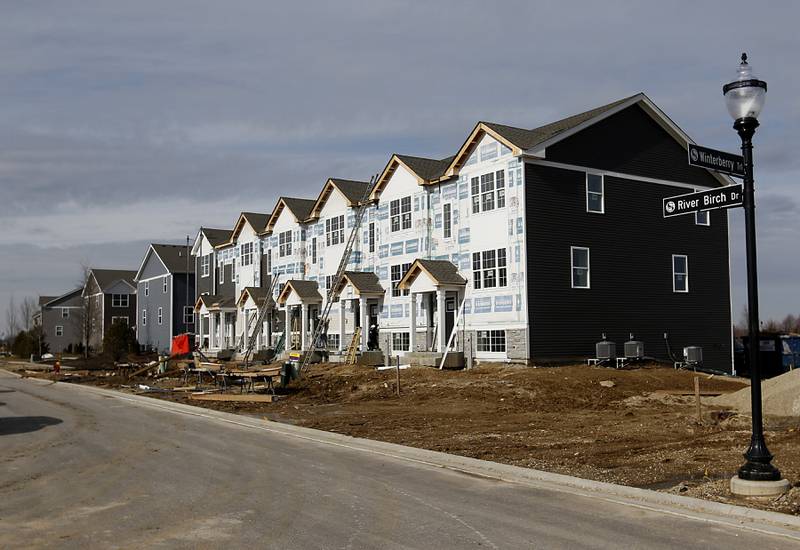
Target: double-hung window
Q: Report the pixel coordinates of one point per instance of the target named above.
(160, 316)
(221, 268)
(397, 272)
(285, 244)
(702, 218)
(371, 237)
(64, 313)
(205, 265)
(246, 253)
(147, 288)
(400, 214)
(595, 197)
(401, 341)
(165, 285)
(491, 341)
(488, 191)
(59, 330)
(489, 269)
(119, 300)
(144, 317)
(580, 267)
(188, 315)
(680, 273)
(314, 250)
(334, 230)
(447, 220)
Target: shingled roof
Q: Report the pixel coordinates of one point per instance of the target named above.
(174, 257)
(216, 237)
(108, 277)
(351, 189)
(214, 302)
(308, 291)
(257, 220)
(364, 282)
(425, 168)
(442, 272)
(258, 294)
(301, 208)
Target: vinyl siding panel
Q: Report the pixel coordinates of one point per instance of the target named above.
(631, 248)
(205, 285)
(632, 143)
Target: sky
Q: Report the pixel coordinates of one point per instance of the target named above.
(123, 123)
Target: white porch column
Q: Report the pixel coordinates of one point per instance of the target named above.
(412, 336)
(287, 328)
(341, 324)
(304, 327)
(268, 330)
(441, 316)
(212, 328)
(364, 323)
(246, 328)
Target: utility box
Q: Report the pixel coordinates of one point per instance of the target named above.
(634, 349)
(606, 350)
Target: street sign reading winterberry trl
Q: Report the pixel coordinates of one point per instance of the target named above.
(723, 197)
(719, 161)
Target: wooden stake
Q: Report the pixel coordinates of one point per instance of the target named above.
(397, 370)
(697, 398)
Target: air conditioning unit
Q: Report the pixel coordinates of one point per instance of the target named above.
(693, 354)
(606, 350)
(634, 349)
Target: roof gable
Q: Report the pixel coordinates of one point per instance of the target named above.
(299, 208)
(66, 299)
(306, 291)
(425, 170)
(352, 191)
(106, 278)
(440, 272)
(256, 220)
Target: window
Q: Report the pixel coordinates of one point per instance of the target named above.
(147, 288)
(333, 341)
(595, 201)
(160, 316)
(221, 268)
(372, 237)
(205, 265)
(488, 191)
(119, 300)
(285, 244)
(59, 330)
(314, 250)
(269, 260)
(397, 273)
(401, 341)
(400, 214)
(164, 285)
(64, 313)
(447, 220)
(334, 230)
(489, 269)
(233, 272)
(144, 317)
(119, 320)
(702, 218)
(329, 280)
(580, 267)
(246, 253)
(188, 315)
(680, 273)
(492, 341)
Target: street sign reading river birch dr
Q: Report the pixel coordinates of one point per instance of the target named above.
(723, 197)
(719, 161)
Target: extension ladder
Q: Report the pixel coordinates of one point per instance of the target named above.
(252, 340)
(352, 349)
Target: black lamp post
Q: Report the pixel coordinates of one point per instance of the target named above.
(744, 98)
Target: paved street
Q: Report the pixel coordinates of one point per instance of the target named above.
(86, 470)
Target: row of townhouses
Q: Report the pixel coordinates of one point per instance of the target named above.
(524, 245)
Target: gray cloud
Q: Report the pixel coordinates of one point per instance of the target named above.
(125, 122)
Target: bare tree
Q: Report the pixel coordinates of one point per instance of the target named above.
(27, 311)
(12, 319)
(83, 316)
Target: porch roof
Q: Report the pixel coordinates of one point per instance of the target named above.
(363, 282)
(215, 302)
(306, 291)
(441, 272)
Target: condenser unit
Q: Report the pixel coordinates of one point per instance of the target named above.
(634, 349)
(606, 351)
(693, 354)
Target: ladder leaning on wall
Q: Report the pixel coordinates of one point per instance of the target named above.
(322, 323)
(262, 312)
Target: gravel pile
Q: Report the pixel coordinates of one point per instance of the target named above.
(781, 396)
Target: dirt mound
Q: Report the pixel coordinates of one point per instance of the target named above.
(781, 396)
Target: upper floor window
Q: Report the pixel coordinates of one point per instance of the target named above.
(165, 285)
(680, 273)
(269, 260)
(59, 330)
(447, 220)
(371, 237)
(234, 275)
(285, 244)
(489, 269)
(144, 317)
(488, 191)
(580, 267)
(160, 316)
(314, 250)
(119, 300)
(221, 268)
(397, 272)
(205, 265)
(147, 288)
(702, 218)
(246, 253)
(400, 214)
(188, 315)
(64, 313)
(595, 200)
(334, 230)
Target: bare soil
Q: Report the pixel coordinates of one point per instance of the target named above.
(633, 427)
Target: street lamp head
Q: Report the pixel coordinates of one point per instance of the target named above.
(745, 96)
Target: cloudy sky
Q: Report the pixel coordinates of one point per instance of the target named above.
(128, 122)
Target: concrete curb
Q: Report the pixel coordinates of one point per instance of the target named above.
(739, 516)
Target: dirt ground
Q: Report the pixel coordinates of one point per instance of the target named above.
(634, 427)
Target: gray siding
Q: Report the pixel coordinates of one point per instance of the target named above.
(179, 300)
(205, 285)
(154, 335)
(72, 335)
(152, 267)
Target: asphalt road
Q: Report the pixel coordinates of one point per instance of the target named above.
(84, 470)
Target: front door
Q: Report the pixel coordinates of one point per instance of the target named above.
(449, 316)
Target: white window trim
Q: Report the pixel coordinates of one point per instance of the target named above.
(144, 317)
(451, 237)
(160, 316)
(602, 193)
(708, 218)
(400, 214)
(205, 265)
(686, 260)
(64, 313)
(165, 286)
(572, 250)
(147, 288)
(57, 331)
(494, 191)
